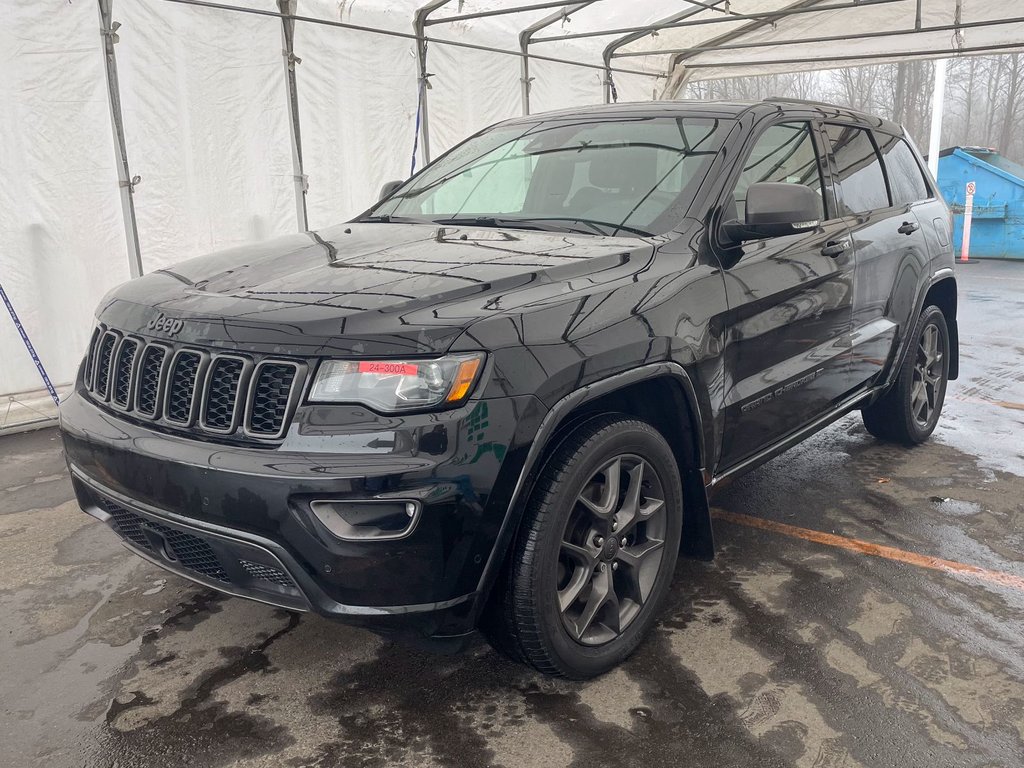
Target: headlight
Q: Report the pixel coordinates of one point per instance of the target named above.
(397, 385)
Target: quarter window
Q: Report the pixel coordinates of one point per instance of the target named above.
(783, 153)
(906, 181)
(859, 167)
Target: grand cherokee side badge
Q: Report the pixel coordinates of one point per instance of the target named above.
(169, 325)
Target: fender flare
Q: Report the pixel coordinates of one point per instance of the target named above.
(698, 540)
(946, 273)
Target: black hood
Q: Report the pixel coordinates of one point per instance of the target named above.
(367, 289)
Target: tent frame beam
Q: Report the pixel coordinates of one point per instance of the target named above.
(412, 36)
(419, 26)
(612, 48)
(498, 12)
(126, 181)
(290, 60)
(824, 39)
(662, 25)
(525, 36)
(930, 53)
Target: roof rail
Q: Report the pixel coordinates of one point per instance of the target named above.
(796, 101)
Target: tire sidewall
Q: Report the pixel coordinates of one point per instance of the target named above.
(575, 659)
(932, 315)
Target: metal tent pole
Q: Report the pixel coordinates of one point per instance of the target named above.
(411, 36)
(288, 8)
(847, 60)
(499, 12)
(126, 182)
(638, 33)
(527, 34)
(712, 47)
(419, 27)
(938, 101)
(723, 19)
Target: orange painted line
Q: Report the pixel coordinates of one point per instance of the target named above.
(875, 550)
(983, 401)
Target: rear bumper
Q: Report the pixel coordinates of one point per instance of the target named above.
(237, 519)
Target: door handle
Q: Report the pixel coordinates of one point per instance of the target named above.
(835, 247)
(908, 228)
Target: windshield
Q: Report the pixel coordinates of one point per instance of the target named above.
(623, 176)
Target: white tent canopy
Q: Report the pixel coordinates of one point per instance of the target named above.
(233, 142)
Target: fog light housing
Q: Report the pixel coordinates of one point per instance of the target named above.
(368, 520)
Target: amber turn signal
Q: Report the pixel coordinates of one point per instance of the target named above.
(464, 379)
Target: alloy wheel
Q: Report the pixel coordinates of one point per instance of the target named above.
(611, 550)
(926, 385)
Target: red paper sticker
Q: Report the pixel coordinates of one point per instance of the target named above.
(390, 369)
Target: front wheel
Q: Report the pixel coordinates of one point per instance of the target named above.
(909, 411)
(596, 552)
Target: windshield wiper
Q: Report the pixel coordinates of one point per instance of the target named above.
(486, 221)
(545, 223)
(390, 218)
(594, 225)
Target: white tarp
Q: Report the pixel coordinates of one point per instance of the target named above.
(61, 235)
(206, 119)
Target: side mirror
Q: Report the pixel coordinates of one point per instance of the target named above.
(775, 209)
(389, 188)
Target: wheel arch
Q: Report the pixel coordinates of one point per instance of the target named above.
(644, 393)
(942, 293)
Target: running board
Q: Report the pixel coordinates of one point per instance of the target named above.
(793, 438)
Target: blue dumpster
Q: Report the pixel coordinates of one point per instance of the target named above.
(997, 222)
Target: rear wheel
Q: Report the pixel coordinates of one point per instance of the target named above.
(596, 552)
(909, 411)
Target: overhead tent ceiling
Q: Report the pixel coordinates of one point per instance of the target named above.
(709, 39)
(686, 40)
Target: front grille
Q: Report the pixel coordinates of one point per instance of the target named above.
(124, 369)
(104, 355)
(147, 397)
(271, 392)
(181, 388)
(222, 387)
(191, 552)
(193, 390)
(90, 357)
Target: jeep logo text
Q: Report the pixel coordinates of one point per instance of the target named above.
(164, 324)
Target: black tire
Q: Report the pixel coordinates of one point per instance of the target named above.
(901, 415)
(559, 535)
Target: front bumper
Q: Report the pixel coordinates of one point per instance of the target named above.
(237, 518)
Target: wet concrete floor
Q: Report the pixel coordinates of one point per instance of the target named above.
(783, 652)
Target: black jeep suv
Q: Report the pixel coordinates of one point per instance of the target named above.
(500, 398)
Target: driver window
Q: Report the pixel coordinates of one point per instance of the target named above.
(783, 153)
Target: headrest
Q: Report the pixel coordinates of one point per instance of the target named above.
(625, 168)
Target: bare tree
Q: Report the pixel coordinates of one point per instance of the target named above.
(984, 96)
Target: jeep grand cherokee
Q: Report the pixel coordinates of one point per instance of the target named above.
(500, 397)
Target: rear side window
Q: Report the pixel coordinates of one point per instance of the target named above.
(785, 153)
(859, 168)
(906, 181)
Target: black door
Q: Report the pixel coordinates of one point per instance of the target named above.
(790, 305)
(879, 201)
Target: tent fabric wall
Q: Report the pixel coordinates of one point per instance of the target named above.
(205, 118)
(206, 123)
(204, 100)
(61, 235)
(357, 102)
